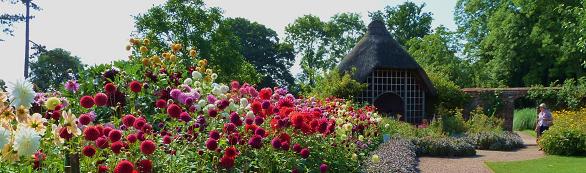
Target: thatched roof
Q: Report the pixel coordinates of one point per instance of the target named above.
(377, 49)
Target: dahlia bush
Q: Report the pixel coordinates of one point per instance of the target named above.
(164, 112)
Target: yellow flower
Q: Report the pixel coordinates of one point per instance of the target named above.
(145, 61)
(52, 102)
(143, 49)
(7, 115)
(166, 55)
(55, 131)
(156, 59)
(36, 121)
(193, 53)
(3, 96)
(134, 41)
(375, 158)
(69, 123)
(128, 47)
(9, 154)
(146, 41)
(173, 58)
(22, 114)
(176, 47)
(354, 156)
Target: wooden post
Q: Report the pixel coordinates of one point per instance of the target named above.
(72, 163)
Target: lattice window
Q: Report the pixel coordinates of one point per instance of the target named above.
(401, 82)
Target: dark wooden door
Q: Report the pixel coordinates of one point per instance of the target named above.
(391, 104)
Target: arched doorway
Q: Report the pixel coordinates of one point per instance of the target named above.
(390, 103)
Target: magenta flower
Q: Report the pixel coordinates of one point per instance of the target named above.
(72, 85)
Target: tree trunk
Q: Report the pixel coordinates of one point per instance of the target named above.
(72, 163)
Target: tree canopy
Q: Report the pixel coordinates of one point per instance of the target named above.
(54, 67)
(7, 20)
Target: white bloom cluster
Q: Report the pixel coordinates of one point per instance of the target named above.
(26, 141)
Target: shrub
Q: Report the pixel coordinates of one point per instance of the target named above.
(338, 85)
(568, 134)
(397, 128)
(572, 94)
(563, 141)
(444, 146)
(452, 122)
(450, 95)
(480, 122)
(525, 119)
(501, 141)
(397, 155)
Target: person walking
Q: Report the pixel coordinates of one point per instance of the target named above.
(544, 120)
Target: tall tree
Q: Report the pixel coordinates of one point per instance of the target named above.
(53, 67)
(437, 53)
(322, 44)
(261, 47)
(194, 25)
(406, 21)
(528, 42)
(472, 17)
(7, 20)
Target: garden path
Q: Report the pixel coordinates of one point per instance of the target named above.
(476, 164)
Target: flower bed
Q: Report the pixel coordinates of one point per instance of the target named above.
(396, 155)
(567, 136)
(164, 111)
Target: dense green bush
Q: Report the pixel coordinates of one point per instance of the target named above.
(449, 95)
(451, 122)
(480, 122)
(394, 127)
(525, 119)
(443, 146)
(563, 141)
(335, 84)
(491, 140)
(572, 94)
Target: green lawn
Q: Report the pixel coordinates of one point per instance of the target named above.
(530, 132)
(558, 164)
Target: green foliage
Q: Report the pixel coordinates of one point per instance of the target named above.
(261, 47)
(394, 127)
(452, 123)
(198, 27)
(444, 146)
(563, 141)
(54, 67)
(523, 43)
(480, 122)
(322, 44)
(436, 53)
(492, 140)
(406, 21)
(449, 95)
(337, 85)
(525, 119)
(571, 94)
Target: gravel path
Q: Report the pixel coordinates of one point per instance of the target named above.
(476, 163)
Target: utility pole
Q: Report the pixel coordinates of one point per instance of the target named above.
(26, 43)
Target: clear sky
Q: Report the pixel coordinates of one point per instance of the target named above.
(97, 31)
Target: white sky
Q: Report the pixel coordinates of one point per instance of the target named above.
(97, 31)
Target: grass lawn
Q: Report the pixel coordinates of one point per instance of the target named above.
(558, 164)
(530, 132)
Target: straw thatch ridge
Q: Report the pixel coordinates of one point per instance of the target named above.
(377, 49)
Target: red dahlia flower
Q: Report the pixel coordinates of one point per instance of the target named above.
(285, 146)
(102, 142)
(131, 138)
(110, 88)
(276, 143)
(128, 120)
(323, 168)
(135, 86)
(231, 152)
(86, 102)
(115, 135)
(85, 119)
(260, 131)
(214, 134)
(91, 133)
(255, 141)
(161, 103)
(63, 133)
(145, 166)
(167, 139)
(116, 147)
(102, 169)
(229, 127)
(174, 111)
(139, 123)
(124, 167)
(101, 99)
(88, 151)
(304, 153)
(211, 144)
(265, 93)
(147, 147)
(227, 162)
(297, 148)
